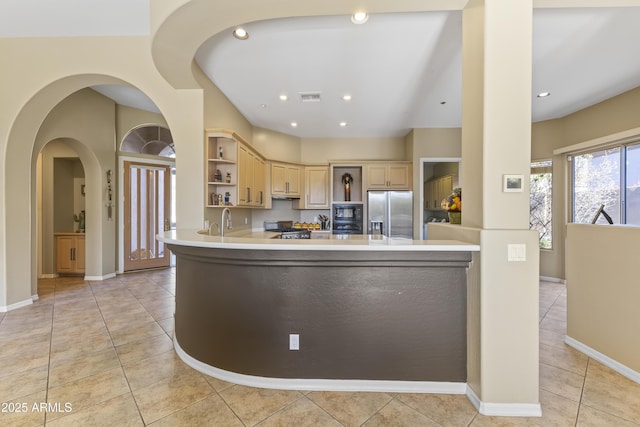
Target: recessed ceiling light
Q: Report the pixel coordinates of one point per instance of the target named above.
(343, 124)
(543, 94)
(346, 97)
(359, 17)
(263, 105)
(294, 124)
(283, 97)
(240, 34)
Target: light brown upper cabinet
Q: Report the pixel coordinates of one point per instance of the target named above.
(251, 183)
(389, 176)
(285, 180)
(316, 188)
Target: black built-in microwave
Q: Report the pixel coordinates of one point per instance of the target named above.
(347, 219)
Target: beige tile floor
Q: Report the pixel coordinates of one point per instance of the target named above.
(105, 350)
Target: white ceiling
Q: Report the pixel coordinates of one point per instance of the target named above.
(399, 68)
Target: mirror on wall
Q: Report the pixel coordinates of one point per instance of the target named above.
(68, 195)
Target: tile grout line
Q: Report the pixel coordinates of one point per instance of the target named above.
(306, 396)
(116, 352)
(53, 311)
(555, 300)
(584, 381)
(229, 406)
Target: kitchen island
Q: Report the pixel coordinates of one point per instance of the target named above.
(343, 313)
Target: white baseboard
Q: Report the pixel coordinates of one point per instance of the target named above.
(604, 359)
(321, 384)
(6, 308)
(504, 409)
(100, 278)
(432, 387)
(553, 279)
(35, 297)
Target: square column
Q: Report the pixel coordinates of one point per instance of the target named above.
(496, 141)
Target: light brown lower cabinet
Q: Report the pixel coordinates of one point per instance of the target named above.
(70, 251)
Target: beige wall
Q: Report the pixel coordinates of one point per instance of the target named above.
(436, 142)
(219, 112)
(86, 118)
(603, 291)
(325, 150)
(601, 121)
(606, 118)
(545, 137)
(276, 145)
(429, 143)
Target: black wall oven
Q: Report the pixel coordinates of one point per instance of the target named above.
(347, 219)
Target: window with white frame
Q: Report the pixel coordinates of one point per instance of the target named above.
(632, 184)
(540, 206)
(607, 178)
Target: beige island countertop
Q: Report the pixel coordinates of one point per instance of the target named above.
(264, 240)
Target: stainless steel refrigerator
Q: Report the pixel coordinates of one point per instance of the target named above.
(390, 213)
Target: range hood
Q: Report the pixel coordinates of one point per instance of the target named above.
(283, 197)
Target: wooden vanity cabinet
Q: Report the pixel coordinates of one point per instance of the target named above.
(70, 253)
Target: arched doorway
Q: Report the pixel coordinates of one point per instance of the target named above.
(147, 171)
(61, 206)
(29, 131)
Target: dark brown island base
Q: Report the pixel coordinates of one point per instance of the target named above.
(372, 310)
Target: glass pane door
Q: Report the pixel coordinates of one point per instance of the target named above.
(147, 210)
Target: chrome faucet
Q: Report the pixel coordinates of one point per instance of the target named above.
(229, 225)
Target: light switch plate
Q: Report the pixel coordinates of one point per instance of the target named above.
(294, 342)
(517, 252)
